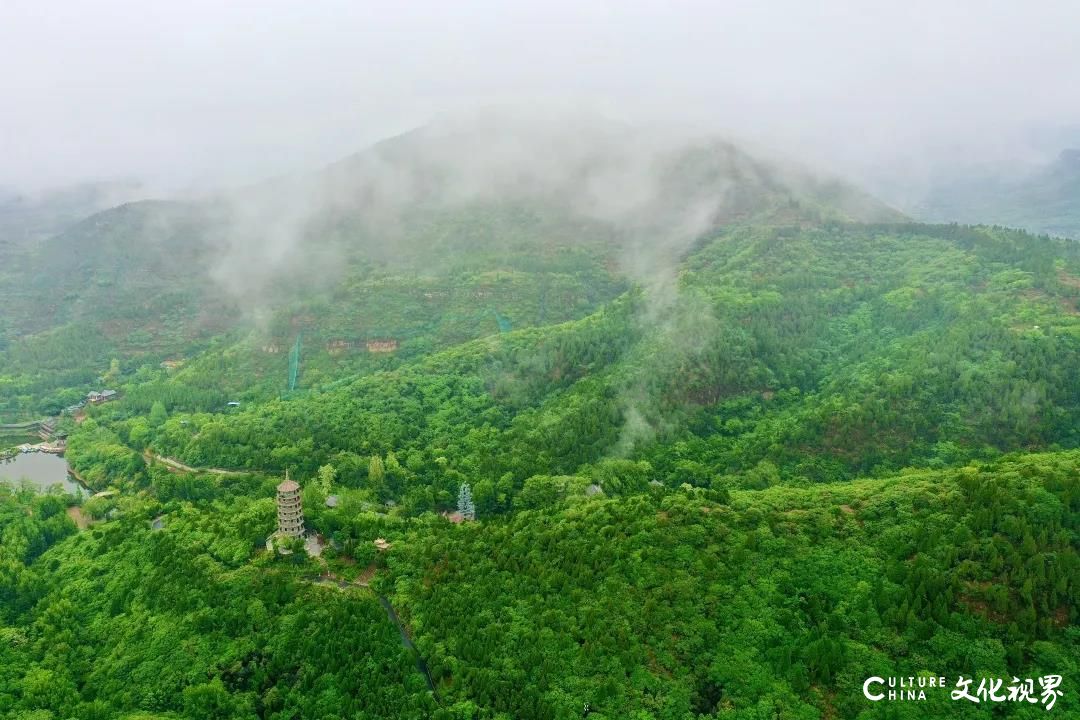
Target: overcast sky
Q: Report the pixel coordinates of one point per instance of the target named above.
(206, 91)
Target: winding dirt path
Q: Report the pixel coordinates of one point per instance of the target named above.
(406, 641)
(150, 457)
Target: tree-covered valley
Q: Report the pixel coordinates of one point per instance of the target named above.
(665, 432)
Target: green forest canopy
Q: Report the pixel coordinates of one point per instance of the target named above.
(822, 451)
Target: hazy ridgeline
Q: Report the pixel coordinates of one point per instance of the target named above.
(150, 279)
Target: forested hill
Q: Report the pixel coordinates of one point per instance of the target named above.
(783, 355)
(666, 603)
(28, 218)
(417, 216)
(723, 441)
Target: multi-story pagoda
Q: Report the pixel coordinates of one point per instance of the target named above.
(290, 515)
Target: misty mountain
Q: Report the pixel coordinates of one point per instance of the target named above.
(26, 218)
(451, 201)
(699, 361)
(574, 182)
(673, 355)
(1046, 200)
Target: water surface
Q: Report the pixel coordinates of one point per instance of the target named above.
(42, 469)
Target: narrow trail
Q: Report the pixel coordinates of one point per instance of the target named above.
(406, 641)
(150, 457)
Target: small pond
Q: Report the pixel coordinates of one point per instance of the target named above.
(42, 469)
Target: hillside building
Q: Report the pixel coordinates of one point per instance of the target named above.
(96, 398)
(289, 512)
